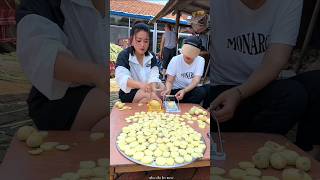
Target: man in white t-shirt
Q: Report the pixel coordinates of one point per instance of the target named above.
(184, 73)
(252, 40)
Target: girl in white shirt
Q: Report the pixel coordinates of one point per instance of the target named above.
(136, 72)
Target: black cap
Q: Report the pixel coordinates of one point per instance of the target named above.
(194, 41)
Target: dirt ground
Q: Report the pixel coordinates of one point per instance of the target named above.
(114, 89)
(14, 90)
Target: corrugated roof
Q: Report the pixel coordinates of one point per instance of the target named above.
(140, 8)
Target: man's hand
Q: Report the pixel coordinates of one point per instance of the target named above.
(180, 94)
(225, 104)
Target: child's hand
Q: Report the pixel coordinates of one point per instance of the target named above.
(165, 92)
(180, 94)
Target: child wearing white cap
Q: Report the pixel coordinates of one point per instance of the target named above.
(184, 73)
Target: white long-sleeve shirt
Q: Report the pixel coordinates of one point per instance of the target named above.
(41, 35)
(128, 67)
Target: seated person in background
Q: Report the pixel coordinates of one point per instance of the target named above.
(136, 72)
(184, 73)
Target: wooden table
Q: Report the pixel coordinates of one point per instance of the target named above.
(242, 146)
(18, 164)
(119, 164)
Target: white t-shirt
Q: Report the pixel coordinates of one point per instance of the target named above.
(183, 72)
(240, 36)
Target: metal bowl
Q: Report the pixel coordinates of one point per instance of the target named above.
(153, 164)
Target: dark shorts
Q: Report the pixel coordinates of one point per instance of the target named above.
(168, 54)
(127, 97)
(195, 96)
(56, 114)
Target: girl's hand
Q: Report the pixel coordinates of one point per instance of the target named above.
(146, 87)
(99, 78)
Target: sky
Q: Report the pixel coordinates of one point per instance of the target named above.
(163, 2)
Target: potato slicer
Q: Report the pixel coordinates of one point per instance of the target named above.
(171, 104)
(217, 143)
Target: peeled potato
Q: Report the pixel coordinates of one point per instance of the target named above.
(218, 171)
(99, 172)
(250, 177)
(103, 162)
(269, 178)
(160, 161)
(191, 111)
(34, 140)
(292, 174)
(277, 161)
(70, 175)
(306, 176)
(171, 104)
(96, 136)
(47, 146)
(187, 158)
(290, 156)
(179, 159)
(87, 164)
(303, 163)
(147, 159)
(261, 160)
(253, 172)
(63, 147)
(44, 134)
(170, 161)
(85, 173)
(138, 156)
(35, 151)
(129, 151)
(217, 177)
(274, 146)
(24, 132)
(245, 165)
(265, 149)
(237, 174)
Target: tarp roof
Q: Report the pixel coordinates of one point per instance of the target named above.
(184, 6)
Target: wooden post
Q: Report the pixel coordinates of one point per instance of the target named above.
(177, 24)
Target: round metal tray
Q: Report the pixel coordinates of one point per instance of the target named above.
(153, 164)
